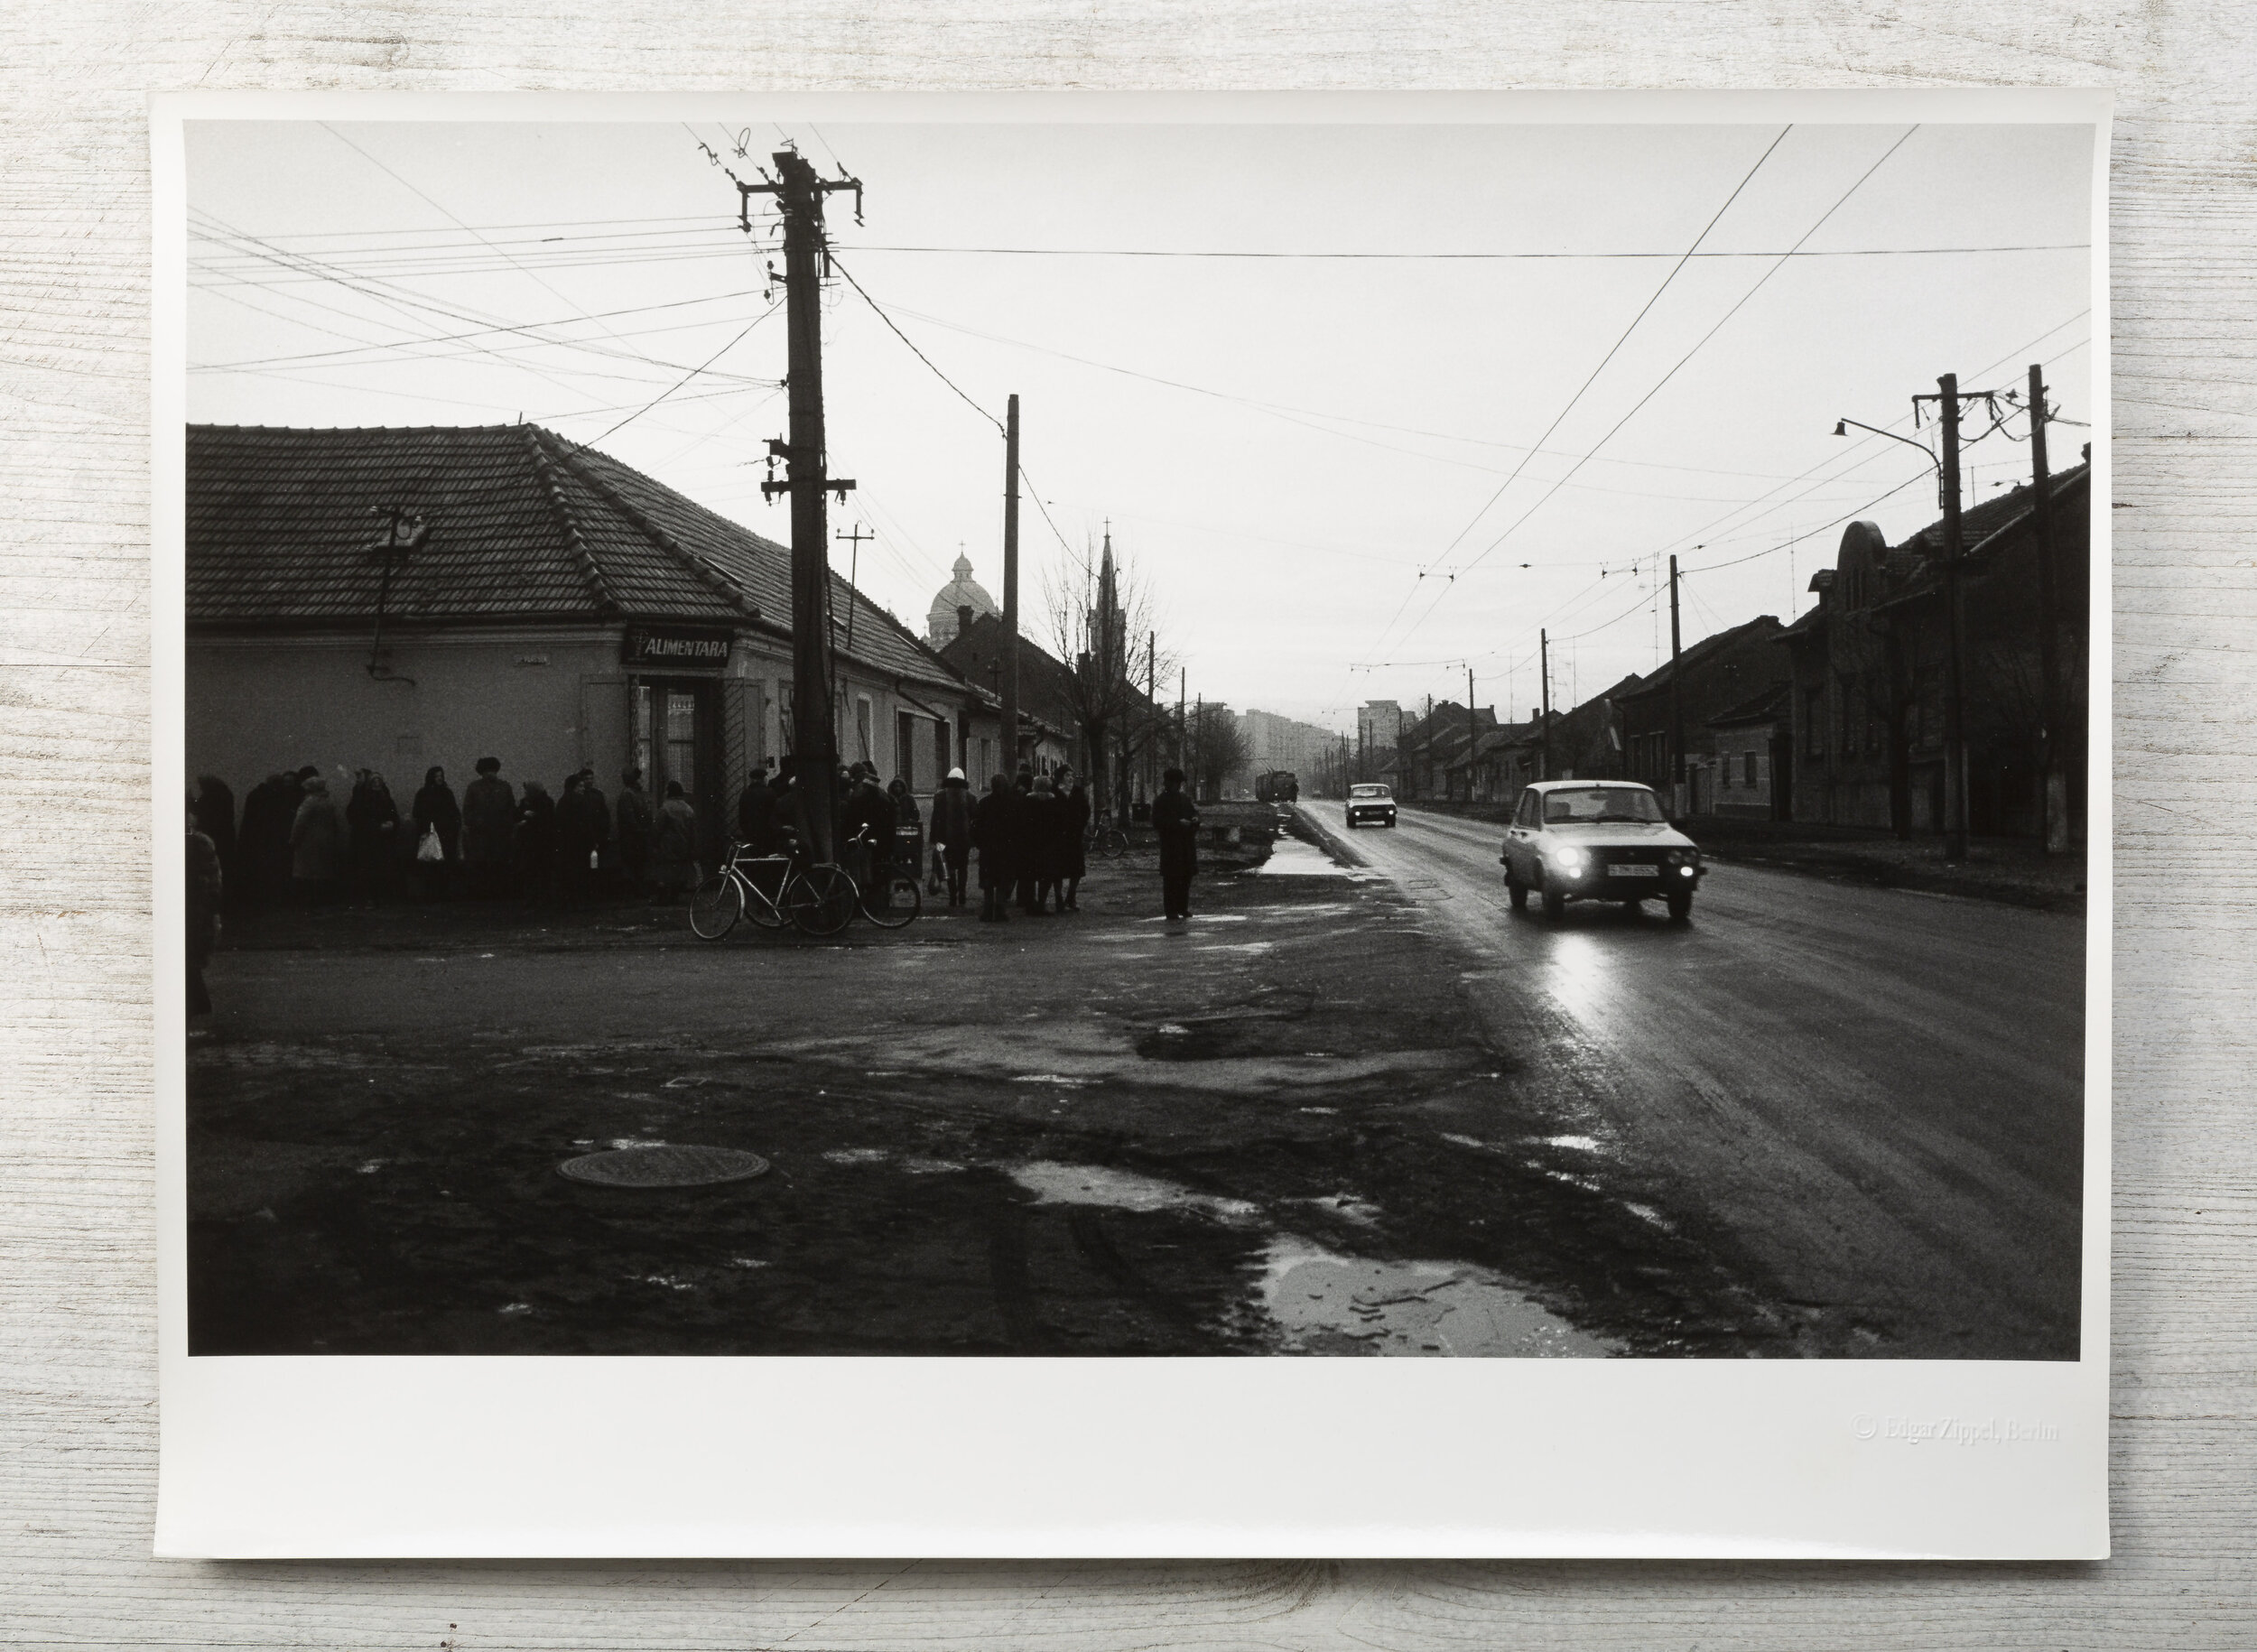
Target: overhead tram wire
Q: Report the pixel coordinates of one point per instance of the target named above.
(1612, 350)
(880, 311)
(1722, 321)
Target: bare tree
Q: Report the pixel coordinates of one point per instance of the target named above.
(1102, 626)
(1218, 750)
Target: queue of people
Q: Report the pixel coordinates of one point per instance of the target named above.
(306, 838)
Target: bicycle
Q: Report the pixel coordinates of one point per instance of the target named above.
(1109, 841)
(900, 897)
(816, 900)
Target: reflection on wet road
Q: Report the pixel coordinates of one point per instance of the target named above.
(1878, 1093)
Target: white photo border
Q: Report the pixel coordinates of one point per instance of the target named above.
(337, 1456)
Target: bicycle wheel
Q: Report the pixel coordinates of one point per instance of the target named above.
(1116, 844)
(758, 903)
(820, 900)
(894, 902)
(715, 906)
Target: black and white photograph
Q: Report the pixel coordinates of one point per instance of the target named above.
(1148, 740)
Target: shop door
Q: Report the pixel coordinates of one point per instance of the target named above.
(676, 725)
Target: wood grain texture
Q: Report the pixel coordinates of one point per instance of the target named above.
(76, 1229)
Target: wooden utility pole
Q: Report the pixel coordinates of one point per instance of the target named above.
(1152, 700)
(1677, 705)
(854, 576)
(1183, 729)
(1473, 733)
(1010, 587)
(799, 196)
(1544, 724)
(2053, 781)
(1955, 709)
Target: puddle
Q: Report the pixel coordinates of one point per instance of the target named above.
(1413, 1309)
(1580, 1143)
(855, 1156)
(930, 1167)
(1052, 1078)
(619, 1143)
(1348, 1207)
(1291, 857)
(746, 1262)
(1242, 946)
(1051, 1183)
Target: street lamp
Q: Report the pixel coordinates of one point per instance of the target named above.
(1947, 470)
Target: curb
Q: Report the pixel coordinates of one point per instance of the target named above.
(1336, 846)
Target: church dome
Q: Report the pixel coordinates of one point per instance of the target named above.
(961, 592)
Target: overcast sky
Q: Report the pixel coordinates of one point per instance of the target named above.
(1298, 453)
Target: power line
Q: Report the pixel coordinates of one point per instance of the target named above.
(913, 350)
(1145, 252)
(691, 374)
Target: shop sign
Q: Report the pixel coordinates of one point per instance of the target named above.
(660, 646)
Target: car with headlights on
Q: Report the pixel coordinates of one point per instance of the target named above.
(1597, 840)
(1370, 804)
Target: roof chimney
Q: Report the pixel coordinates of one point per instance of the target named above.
(963, 617)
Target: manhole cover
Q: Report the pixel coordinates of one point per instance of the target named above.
(663, 1166)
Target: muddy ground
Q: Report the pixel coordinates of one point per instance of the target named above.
(1272, 1129)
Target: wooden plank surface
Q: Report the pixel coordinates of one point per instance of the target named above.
(77, 1228)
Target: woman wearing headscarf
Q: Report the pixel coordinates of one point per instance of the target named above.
(951, 831)
(1038, 827)
(374, 819)
(536, 841)
(994, 834)
(436, 810)
(1073, 840)
(317, 845)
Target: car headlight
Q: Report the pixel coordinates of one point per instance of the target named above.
(1569, 860)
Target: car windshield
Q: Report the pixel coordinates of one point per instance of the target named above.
(1596, 804)
(1367, 791)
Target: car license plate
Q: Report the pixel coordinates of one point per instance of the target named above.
(1634, 871)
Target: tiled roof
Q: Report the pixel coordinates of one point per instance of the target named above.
(281, 530)
(1976, 522)
(1693, 654)
(1760, 708)
(522, 525)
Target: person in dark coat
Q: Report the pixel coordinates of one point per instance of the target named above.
(583, 826)
(1073, 839)
(1178, 824)
(378, 852)
(536, 841)
(635, 824)
(866, 827)
(1038, 832)
(951, 831)
(206, 886)
(753, 805)
(214, 808)
(436, 810)
(317, 846)
(907, 852)
(263, 844)
(677, 843)
(490, 828)
(994, 834)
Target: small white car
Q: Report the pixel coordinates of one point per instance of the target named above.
(1370, 803)
(1598, 840)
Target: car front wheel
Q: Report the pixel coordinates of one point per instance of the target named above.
(1554, 904)
(1681, 907)
(1516, 893)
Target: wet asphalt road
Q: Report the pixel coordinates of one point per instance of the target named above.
(1878, 1093)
